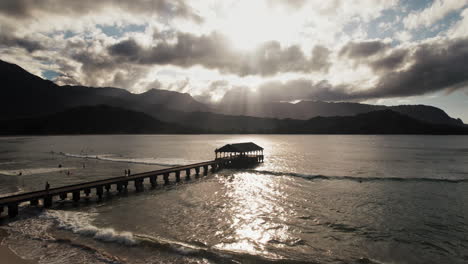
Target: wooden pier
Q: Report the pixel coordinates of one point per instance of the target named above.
(237, 160)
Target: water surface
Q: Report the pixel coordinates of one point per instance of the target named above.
(324, 199)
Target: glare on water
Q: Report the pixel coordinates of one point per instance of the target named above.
(252, 201)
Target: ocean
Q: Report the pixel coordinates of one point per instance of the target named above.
(315, 199)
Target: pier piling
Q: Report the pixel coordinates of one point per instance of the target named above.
(177, 176)
(139, 185)
(76, 196)
(153, 181)
(34, 202)
(48, 201)
(187, 174)
(12, 210)
(166, 178)
(99, 192)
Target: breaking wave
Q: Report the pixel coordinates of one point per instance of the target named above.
(359, 179)
(80, 223)
(168, 162)
(32, 171)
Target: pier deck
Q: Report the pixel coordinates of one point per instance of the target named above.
(121, 183)
(237, 160)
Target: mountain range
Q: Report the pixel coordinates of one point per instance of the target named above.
(32, 105)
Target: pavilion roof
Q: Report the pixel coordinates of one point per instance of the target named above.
(240, 147)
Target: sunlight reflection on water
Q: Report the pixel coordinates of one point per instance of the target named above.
(254, 201)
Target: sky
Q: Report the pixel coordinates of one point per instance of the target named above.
(372, 51)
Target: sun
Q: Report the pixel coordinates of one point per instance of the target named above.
(247, 24)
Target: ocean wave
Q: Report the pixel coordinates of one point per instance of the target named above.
(32, 171)
(215, 253)
(352, 178)
(29, 238)
(8, 162)
(168, 162)
(80, 223)
(19, 190)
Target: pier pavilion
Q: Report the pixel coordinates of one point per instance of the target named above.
(240, 155)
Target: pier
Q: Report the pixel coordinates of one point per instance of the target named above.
(240, 155)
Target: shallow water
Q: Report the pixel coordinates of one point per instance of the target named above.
(324, 199)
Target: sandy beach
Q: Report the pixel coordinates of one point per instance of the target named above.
(7, 255)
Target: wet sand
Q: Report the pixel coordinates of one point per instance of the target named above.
(8, 256)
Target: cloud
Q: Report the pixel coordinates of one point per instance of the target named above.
(214, 91)
(363, 49)
(9, 39)
(433, 13)
(215, 52)
(276, 91)
(435, 66)
(30, 9)
(127, 48)
(459, 29)
(12, 41)
(391, 62)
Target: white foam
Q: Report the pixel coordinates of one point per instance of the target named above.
(148, 161)
(32, 171)
(80, 223)
(20, 190)
(8, 162)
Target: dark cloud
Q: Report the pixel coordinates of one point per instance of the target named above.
(126, 48)
(363, 49)
(390, 62)
(320, 58)
(436, 66)
(13, 41)
(215, 52)
(98, 68)
(29, 8)
(213, 91)
(276, 91)
(126, 77)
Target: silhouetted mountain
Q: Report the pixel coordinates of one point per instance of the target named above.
(216, 123)
(91, 120)
(112, 120)
(24, 94)
(376, 122)
(309, 109)
(35, 100)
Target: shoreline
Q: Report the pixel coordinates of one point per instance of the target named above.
(7, 255)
